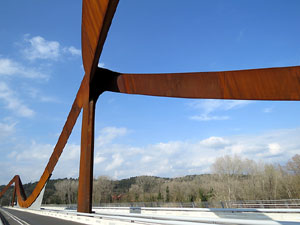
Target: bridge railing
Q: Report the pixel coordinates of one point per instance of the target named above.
(213, 216)
(264, 204)
(284, 203)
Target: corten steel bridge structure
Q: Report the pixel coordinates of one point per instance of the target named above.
(256, 84)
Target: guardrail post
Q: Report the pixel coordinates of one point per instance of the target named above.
(222, 204)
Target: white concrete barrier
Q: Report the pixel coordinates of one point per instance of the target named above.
(292, 215)
(188, 216)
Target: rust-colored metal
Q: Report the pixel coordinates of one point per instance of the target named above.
(62, 140)
(96, 20)
(85, 188)
(13, 197)
(256, 84)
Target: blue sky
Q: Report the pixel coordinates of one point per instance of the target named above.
(41, 70)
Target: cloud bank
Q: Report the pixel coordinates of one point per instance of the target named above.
(167, 159)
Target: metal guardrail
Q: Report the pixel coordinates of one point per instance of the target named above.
(283, 203)
(259, 210)
(257, 204)
(155, 219)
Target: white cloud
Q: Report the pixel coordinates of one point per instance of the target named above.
(107, 134)
(13, 103)
(68, 164)
(39, 48)
(7, 129)
(168, 148)
(168, 159)
(215, 142)
(99, 159)
(267, 110)
(9, 67)
(73, 51)
(101, 64)
(146, 159)
(117, 161)
(29, 161)
(237, 149)
(210, 106)
(71, 152)
(37, 95)
(274, 148)
(200, 162)
(234, 104)
(35, 152)
(177, 158)
(205, 117)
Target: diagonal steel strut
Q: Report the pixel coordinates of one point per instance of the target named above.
(257, 84)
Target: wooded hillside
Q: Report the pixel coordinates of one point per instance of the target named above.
(232, 178)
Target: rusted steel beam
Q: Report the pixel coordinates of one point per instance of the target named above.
(62, 140)
(281, 83)
(258, 84)
(96, 20)
(6, 187)
(97, 16)
(85, 187)
(13, 197)
(255, 84)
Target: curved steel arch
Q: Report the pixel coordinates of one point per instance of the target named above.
(257, 84)
(62, 141)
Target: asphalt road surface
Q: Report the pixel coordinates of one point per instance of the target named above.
(16, 217)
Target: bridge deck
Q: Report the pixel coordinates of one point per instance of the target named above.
(183, 216)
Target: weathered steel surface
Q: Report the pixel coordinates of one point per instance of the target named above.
(62, 140)
(96, 19)
(85, 187)
(257, 84)
(13, 197)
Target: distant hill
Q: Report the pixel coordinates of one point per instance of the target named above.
(233, 179)
(118, 187)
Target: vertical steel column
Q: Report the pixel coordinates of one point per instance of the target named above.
(13, 197)
(85, 188)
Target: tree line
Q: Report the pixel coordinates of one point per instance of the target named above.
(232, 178)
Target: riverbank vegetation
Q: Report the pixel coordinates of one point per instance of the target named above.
(232, 178)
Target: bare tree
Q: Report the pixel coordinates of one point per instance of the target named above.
(293, 173)
(135, 193)
(102, 190)
(227, 171)
(67, 190)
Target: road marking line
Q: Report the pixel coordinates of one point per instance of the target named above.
(15, 218)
